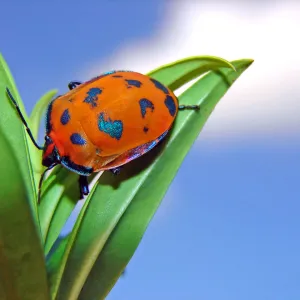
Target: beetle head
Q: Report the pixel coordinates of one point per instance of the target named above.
(50, 154)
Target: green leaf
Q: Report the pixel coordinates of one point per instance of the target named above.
(38, 111)
(119, 208)
(14, 131)
(154, 183)
(34, 124)
(22, 265)
(57, 259)
(53, 189)
(59, 197)
(64, 208)
(176, 74)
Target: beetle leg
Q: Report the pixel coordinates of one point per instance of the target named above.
(73, 84)
(83, 186)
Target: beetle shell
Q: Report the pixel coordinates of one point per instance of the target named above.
(108, 121)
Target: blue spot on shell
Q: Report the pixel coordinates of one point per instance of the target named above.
(93, 96)
(77, 139)
(113, 128)
(170, 104)
(132, 82)
(144, 104)
(160, 86)
(65, 117)
(145, 129)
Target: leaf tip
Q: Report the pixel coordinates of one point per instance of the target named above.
(249, 61)
(246, 63)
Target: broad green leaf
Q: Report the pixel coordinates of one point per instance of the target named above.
(175, 75)
(22, 265)
(14, 131)
(118, 210)
(38, 111)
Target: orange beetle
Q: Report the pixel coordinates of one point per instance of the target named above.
(106, 122)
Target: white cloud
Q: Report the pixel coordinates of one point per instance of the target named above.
(265, 101)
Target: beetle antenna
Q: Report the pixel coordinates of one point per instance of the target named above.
(23, 119)
(41, 181)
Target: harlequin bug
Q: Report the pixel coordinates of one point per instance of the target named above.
(105, 123)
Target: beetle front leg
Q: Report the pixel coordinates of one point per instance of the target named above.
(83, 186)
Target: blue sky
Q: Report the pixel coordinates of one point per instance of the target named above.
(46, 44)
(228, 227)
